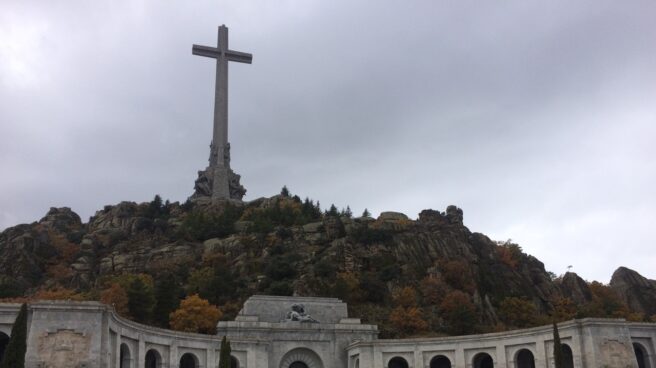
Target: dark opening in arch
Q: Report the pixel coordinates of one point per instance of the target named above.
(483, 360)
(440, 361)
(153, 359)
(641, 355)
(188, 360)
(125, 358)
(568, 357)
(4, 340)
(234, 363)
(397, 362)
(524, 359)
(298, 365)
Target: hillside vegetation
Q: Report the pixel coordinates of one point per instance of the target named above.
(429, 276)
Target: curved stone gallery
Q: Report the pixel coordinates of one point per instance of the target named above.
(275, 332)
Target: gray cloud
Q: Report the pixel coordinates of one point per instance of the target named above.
(536, 118)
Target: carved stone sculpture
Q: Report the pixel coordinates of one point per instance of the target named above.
(297, 314)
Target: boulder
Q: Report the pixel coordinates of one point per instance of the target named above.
(334, 227)
(575, 288)
(454, 215)
(392, 216)
(313, 227)
(62, 219)
(638, 292)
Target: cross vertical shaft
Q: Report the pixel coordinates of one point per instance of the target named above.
(220, 129)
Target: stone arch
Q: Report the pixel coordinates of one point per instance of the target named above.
(153, 359)
(188, 360)
(234, 362)
(301, 358)
(524, 359)
(125, 358)
(440, 361)
(482, 360)
(397, 362)
(4, 340)
(641, 354)
(568, 356)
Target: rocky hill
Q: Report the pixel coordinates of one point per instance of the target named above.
(431, 275)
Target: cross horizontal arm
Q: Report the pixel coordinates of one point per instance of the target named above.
(206, 51)
(240, 57)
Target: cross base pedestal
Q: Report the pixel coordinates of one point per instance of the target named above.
(218, 182)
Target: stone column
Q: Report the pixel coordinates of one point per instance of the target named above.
(141, 352)
(501, 359)
(418, 358)
(541, 358)
(459, 358)
(378, 357)
(209, 357)
(173, 354)
(117, 350)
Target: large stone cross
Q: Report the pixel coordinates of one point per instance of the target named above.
(218, 181)
(222, 55)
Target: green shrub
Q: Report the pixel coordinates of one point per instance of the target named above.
(202, 226)
(281, 288)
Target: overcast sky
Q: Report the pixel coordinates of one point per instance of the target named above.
(537, 118)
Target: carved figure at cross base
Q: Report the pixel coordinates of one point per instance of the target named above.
(218, 181)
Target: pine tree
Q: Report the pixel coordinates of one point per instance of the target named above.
(284, 191)
(332, 211)
(140, 301)
(366, 213)
(348, 213)
(558, 348)
(17, 346)
(155, 207)
(167, 296)
(224, 357)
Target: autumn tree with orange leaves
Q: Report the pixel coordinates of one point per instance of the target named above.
(117, 297)
(459, 313)
(407, 318)
(195, 315)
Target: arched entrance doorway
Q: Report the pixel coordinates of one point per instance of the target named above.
(4, 340)
(153, 359)
(188, 360)
(125, 358)
(568, 357)
(234, 363)
(440, 361)
(397, 362)
(483, 360)
(524, 359)
(641, 355)
(301, 358)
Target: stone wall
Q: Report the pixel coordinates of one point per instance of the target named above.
(595, 343)
(89, 334)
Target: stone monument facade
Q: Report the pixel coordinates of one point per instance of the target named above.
(266, 334)
(218, 181)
